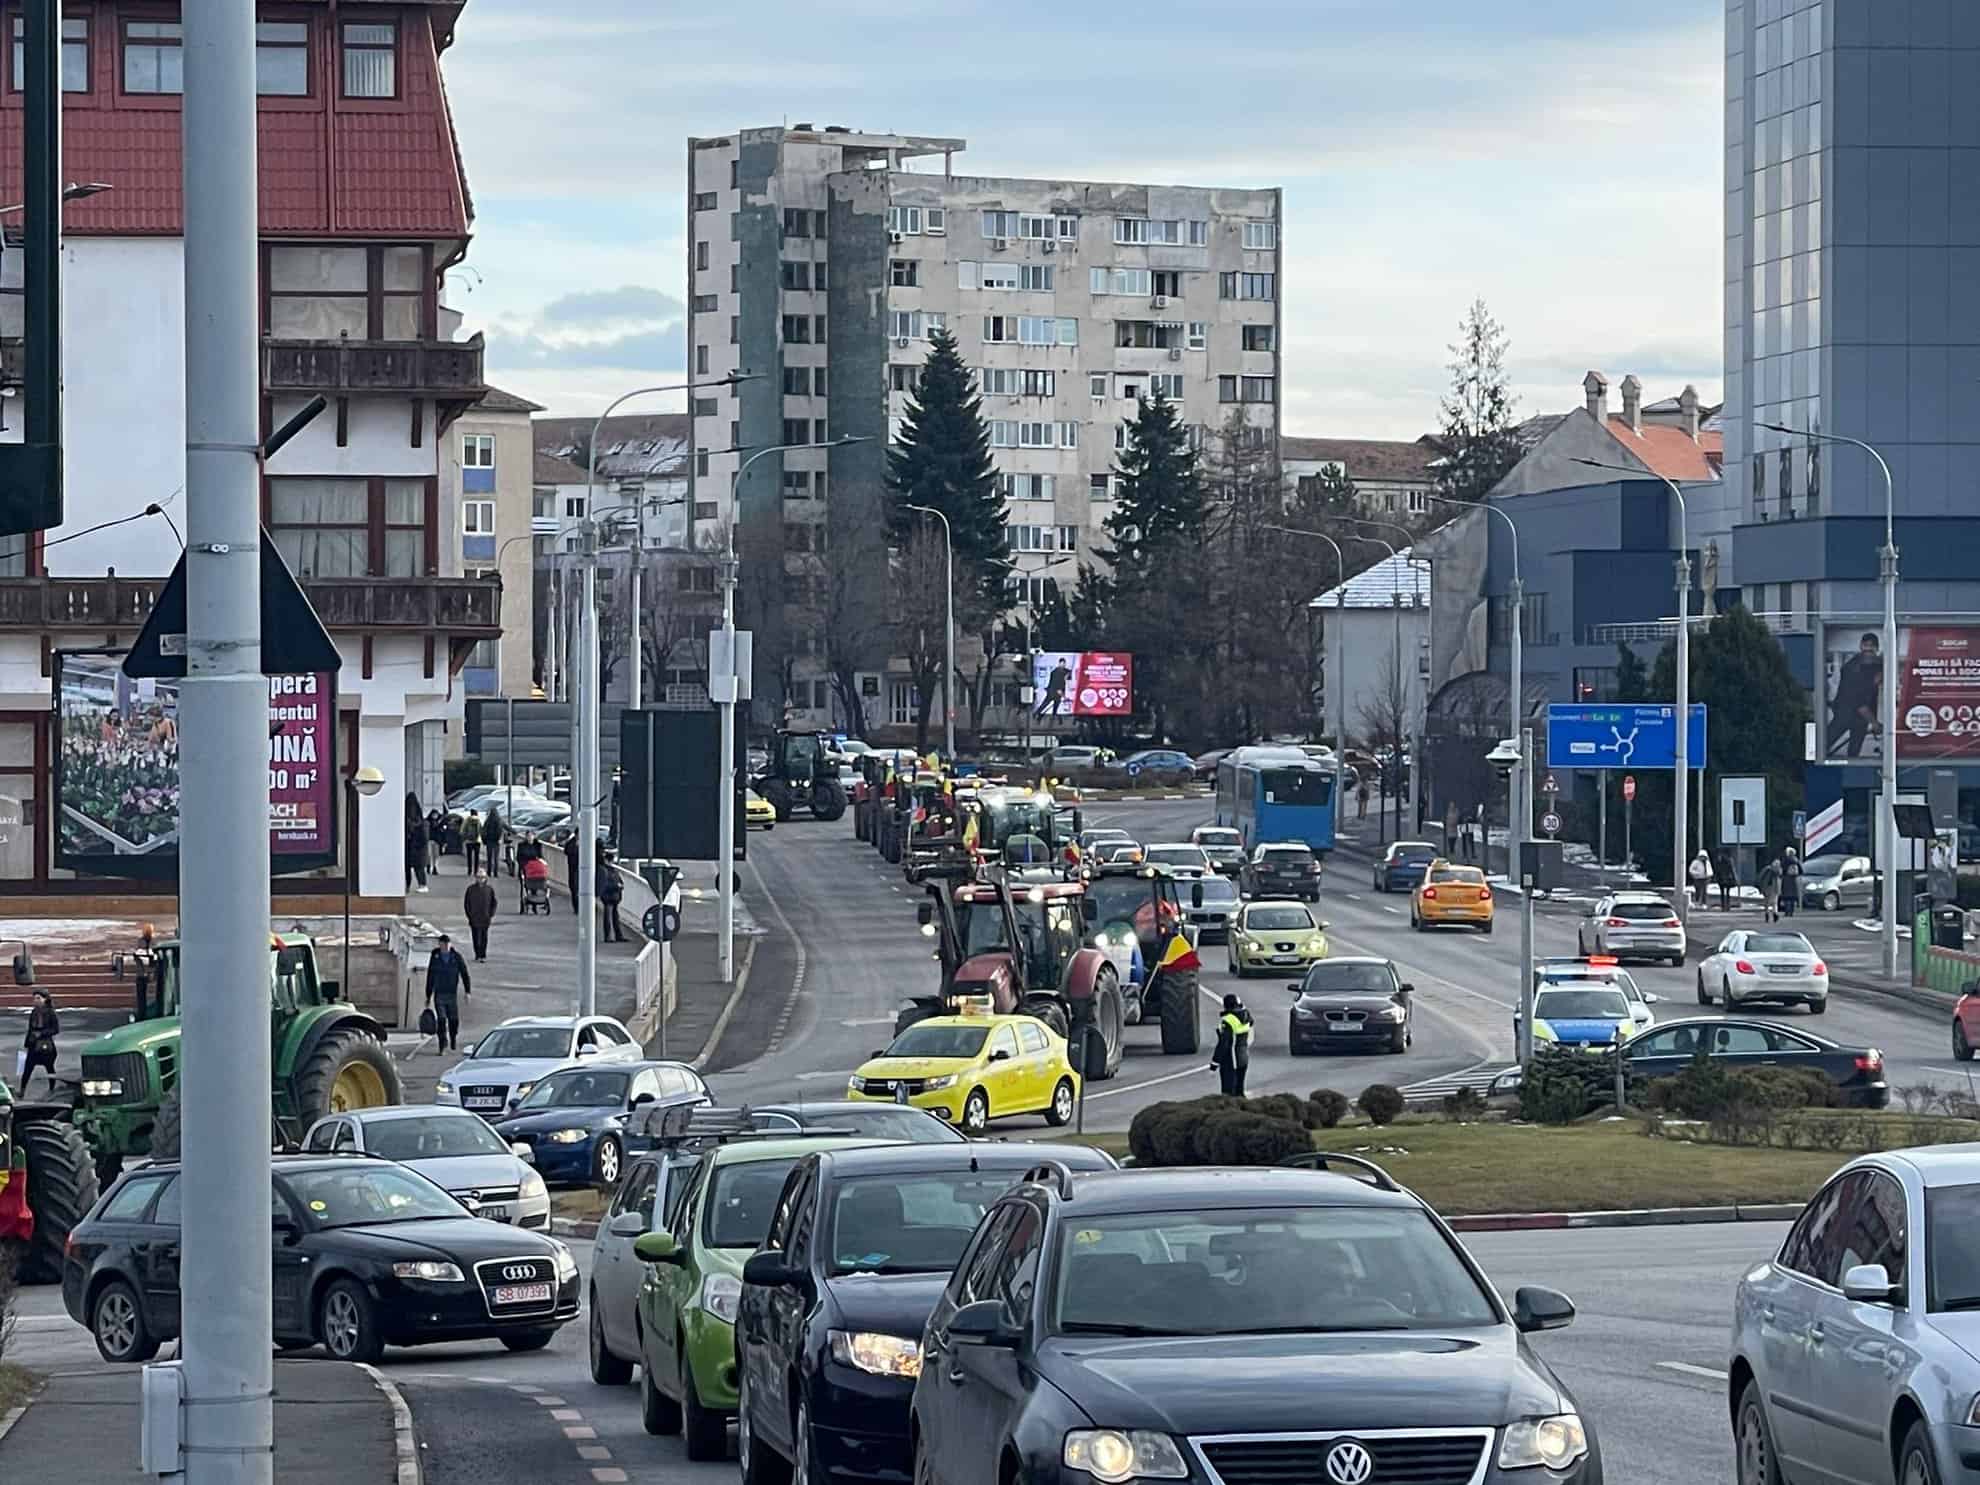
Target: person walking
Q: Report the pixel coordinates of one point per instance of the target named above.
(1727, 878)
(436, 830)
(1361, 799)
(479, 904)
(38, 1046)
(446, 982)
(1232, 1056)
(571, 867)
(415, 845)
(1790, 882)
(491, 840)
(471, 842)
(1770, 890)
(1700, 872)
(611, 890)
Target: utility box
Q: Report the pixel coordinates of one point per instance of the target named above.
(1948, 928)
(159, 1442)
(1541, 866)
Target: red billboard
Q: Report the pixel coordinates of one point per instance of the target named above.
(1938, 700)
(1082, 683)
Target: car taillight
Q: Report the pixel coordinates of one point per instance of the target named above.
(1484, 894)
(1743, 967)
(1673, 923)
(1313, 868)
(1429, 893)
(1618, 923)
(1819, 969)
(1870, 1061)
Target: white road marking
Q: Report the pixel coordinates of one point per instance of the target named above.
(1390, 908)
(808, 1077)
(1693, 1371)
(1352, 896)
(1195, 1071)
(868, 1021)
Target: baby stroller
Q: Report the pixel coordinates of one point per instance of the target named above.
(536, 886)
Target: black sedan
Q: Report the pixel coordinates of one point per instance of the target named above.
(1362, 1003)
(828, 1329)
(1241, 1326)
(1402, 867)
(368, 1254)
(884, 1121)
(1668, 1048)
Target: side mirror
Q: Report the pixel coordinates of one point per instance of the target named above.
(628, 1225)
(331, 990)
(523, 1153)
(643, 1098)
(284, 1227)
(1325, 925)
(1535, 1308)
(985, 1322)
(467, 1051)
(657, 1247)
(770, 1270)
(1869, 1284)
(1296, 986)
(1406, 988)
(1650, 999)
(1000, 1055)
(1196, 894)
(588, 1051)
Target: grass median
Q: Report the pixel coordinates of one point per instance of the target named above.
(17, 1385)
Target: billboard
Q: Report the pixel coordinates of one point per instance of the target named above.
(117, 770)
(1938, 700)
(1082, 683)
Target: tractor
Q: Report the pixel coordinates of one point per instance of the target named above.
(47, 1185)
(328, 1057)
(802, 774)
(1019, 950)
(1137, 912)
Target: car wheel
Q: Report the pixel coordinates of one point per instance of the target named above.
(1704, 995)
(1726, 988)
(1061, 1111)
(1817, 1007)
(804, 1464)
(658, 1413)
(976, 1112)
(1486, 927)
(116, 1320)
(346, 1324)
(1916, 1464)
(1753, 1441)
(1294, 1046)
(607, 1370)
(703, 1430)
(1399, 1039)
(607, 1162)
(1415, 923)
(1962, 1048)
(1831, 902)
(529, 1340)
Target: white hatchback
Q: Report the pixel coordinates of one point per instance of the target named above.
(496, 1072)
(1750, 967)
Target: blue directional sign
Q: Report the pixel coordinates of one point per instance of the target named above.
(1621, 737)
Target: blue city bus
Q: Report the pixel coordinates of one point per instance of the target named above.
(1276, 794)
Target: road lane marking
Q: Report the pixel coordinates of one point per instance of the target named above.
(1693, 1371)
(810, 1077)
(1196, 1071)
(1390, 908)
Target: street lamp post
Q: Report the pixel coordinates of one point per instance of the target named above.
(948, 628)
(1338, 683)
(366, 782)
(1887, 572)
(1681, 770)
(1401, 676)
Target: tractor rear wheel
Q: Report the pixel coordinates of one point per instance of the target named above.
(912, 1015)
(777, 794)
(1180, 1033)
(1050, 1010)
(165, 1128)
(1111, 1019)
(61, 1188)
(828, 800)
(348, 1069)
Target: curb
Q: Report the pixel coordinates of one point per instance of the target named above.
(1642, 1217)
(14, 1415)
(577, 1227)
(714, 1040)
(404, 1442)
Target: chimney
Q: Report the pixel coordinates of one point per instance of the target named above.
(1688, 411)
(1596, 386)
(1632, 391)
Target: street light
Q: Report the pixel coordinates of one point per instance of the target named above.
(1887, 763)
(1681, 770)
(1338, 685)
(73, 191)
(948, 628)
(366, 782)
(1402, 681)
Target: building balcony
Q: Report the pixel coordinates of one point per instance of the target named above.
(448, 370)
(462, 609)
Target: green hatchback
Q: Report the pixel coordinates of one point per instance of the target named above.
(687, 1301)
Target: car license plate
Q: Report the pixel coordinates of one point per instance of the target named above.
(1285, 958)
(1784, 969)
(496, 1213)
(523, 1294)
(482, 1105)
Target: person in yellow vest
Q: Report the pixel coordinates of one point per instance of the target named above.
(1232, 1057)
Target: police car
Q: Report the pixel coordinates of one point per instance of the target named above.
(1584, 1014)
(1599, 969)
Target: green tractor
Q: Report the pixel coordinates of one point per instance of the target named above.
(328, 1057)
(47, 1186)
(802, 774)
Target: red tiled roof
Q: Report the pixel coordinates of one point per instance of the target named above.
(1367, 458)
(1670, 451)
(329, 166)
(551, 470)
(495, 400)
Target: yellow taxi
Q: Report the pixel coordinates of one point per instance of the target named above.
(1451, 894)
(970, 1069)
(758, 811)
(1270, 935)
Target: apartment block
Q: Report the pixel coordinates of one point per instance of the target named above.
(821, 261)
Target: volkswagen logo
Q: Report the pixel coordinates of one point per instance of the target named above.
(1349, 1463)
(516, 1273)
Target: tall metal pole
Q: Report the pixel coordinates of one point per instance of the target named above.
(584, 780)
(1516, 874)
(949, 628)
(1337, 664)
(638, 656)
(227, 1411)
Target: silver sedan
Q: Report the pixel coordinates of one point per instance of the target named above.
(452, 1148)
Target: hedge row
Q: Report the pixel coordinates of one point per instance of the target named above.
(1561, 1084)
(1222, 1130)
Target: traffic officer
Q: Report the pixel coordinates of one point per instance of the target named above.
(1232, 1056)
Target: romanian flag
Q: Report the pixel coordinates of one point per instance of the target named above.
(1181, 956)
(970, 832)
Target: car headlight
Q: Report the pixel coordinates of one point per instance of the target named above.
(1111, 1456)
(856, 1083)
(947, 1080)
(446, 1093)
(103, 1088)
(1555, 1442)
(532, 1186)
(522, 1092)
(882, 1355)
(719, 1293)
(432, 1272)
(566, 1262)
(1392, 1013)
(1542, 1032)
(567, 1136)
(1317, 944)
(1973, 1413)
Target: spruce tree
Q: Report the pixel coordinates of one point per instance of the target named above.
(1160, 509)
(1480, 439)
(943, 461)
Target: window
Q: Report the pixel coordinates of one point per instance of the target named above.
(704, 201)
(153, 59)
(1245, 285)
(1199, 334)
(1036, 276)
(706, 304)
(797, 381)
(794, 275)
(797, 484)
(1147, 335)
(1595, 683)
(1096, 486)
(701, 463)
(574, 507)
(1199, 234)
(735, 325)
(1037, 436)
(75, 53)
(1096, 384)
(1029, 592)
(705, 407)
(1003, 435)
(818, 381)
(1044, 330)
(1166, 384)
(904, 273)
(321, 526)
(1136, 281)
(797, 329)
(903, 378)
(991, 276)
(1130, 229)
(701, 257)
(935, 220)
(1068, 538)
(701, 360)
(1257, 389)
(818, 328)
(998, 224)
(326, 293)
(1040, 384)
(477, 518)
(1874, 1227)
(477, 451)
(1814, 1243)
(1259, 337)
(796, 430)
(999, 329)
(371, 59)
(818, 434)
(797, 222)
(998, 381)
(1261, 236)
(1028, 486)
(735, 278)
(905, 220)
(1167, 283)
(281, 59)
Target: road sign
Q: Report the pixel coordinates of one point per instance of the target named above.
(1551, 823)
(1800, 826)
(1621, 736)
(1629, 787)
(1823, 826)
(1551, 786)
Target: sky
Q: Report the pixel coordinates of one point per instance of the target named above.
(1559, 160)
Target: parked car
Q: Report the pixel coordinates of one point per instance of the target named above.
(452, 1148)
(1632, 925)
(1360, 1002)
(828, 1331)
(1204, 765)
(368, 1254)
(1269, 935)
(1857, 1072)
(1073, 759)
(1853, 1347)
(1223, 845)
(497, 1072)
(1836, 882)
(1281, 869)
(578, 1123)
(1159, 765)
(1403, 865)
(1772, 967)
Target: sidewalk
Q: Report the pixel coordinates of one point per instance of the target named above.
(334, 1423)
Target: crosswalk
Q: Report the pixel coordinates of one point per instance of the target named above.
(1479, 1077)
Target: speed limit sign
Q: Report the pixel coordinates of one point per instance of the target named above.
(1551, 823)
(1629, 786)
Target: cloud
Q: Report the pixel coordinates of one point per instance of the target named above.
(643, 350)
(612, 306)
(561, 353)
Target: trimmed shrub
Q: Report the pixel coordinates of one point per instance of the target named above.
(1465, 1104)
(1285, 1106)
(1553, 1089)
(1249, 1139)
(1325, 1108)
(1381, 1103)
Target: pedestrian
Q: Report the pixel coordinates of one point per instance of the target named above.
(1770, 890)
(491, 839)
(1233, 1052)
(1790, 882)
(610, 891)
(1361, 799)
(38, 1046)
(1464, 841)
(415, 845)
(1727, 879)
(479, 905)
(471, 841)
(1700, 871)
(446, 982)
(571, 867)
(436, 830)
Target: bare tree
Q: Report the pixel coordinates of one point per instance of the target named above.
(1385, 713)
(919, 576)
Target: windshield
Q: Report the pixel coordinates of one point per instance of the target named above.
(360, 1195)
(1117, 899)
(939, 1041)
(431, 1138)
(1295, 786)
(1778, 943)
(1582, 1005)
(1219, 889)
(1218, 838)
(1175, 855)
(1278, 917)
(1641, 912)
(1469, 876)
(1018, 817)
(741, 1202)
(525, 1041)
(1246, 1272)
(981, 928)
(1414, 855)
(581, 1089)
(909, 1223)
(883, 1121)
(1349, 979)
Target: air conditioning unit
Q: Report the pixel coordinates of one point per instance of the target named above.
(894, 237)
(1048, 247)
(998, 244)
(1160, 301)
(901, 341)
(1175, 353)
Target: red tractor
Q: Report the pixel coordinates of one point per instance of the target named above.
(1022, 950)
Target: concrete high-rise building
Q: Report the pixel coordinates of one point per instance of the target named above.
(821, 261)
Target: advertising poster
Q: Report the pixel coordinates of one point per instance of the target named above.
(1938, 701)
(117, 770)
(1082, 683)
